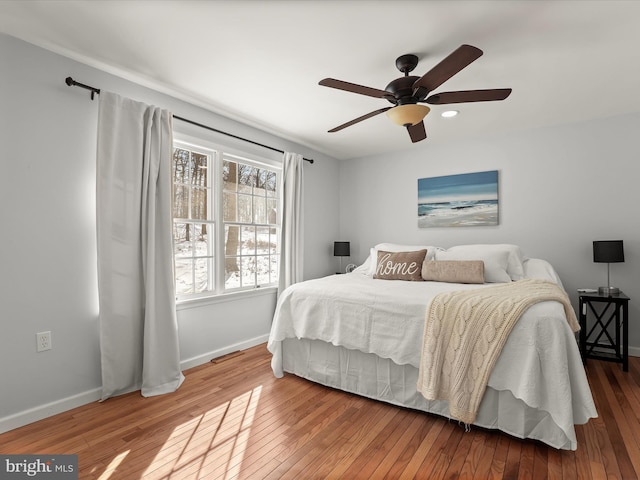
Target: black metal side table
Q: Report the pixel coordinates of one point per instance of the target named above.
(604, 327)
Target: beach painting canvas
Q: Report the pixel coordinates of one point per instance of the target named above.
(469, 199)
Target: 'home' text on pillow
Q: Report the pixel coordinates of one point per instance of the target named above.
(400, 265)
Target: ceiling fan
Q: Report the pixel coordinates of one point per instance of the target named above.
(406, 93)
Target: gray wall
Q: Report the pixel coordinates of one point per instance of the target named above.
(560, 188)
(47, 240)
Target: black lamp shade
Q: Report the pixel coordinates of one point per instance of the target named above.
(341, 249)
(608, 251)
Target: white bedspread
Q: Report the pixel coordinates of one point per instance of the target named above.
(540, 362)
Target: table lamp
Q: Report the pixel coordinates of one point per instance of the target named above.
(341, 249)
(608, 251)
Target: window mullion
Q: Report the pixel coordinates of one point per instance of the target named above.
(219, 241)
(189, 224)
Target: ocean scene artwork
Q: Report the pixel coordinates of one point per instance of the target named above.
(465, 200)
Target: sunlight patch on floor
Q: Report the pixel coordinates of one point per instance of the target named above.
(212, 445)
(113, 466)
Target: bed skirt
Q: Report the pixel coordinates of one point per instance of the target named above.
(381, 379)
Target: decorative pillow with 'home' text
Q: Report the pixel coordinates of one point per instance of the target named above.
(400, 265)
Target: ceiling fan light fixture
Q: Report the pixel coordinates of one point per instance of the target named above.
(408, 115)
(449, 113)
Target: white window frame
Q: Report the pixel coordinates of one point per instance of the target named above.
(217, 152)
(210, 254)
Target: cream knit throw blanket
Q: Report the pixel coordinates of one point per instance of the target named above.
(464, 334)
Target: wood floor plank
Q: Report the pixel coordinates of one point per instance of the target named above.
(341, 439)
(527, 461)
(345, 413)
(489, 443)
(604, 453)
(592, 444)
(512, 463)
(540, 462)
(568, 467)
(365, 460)
(424, 449)
(473, 458)
(581, 456)
(596, 462)
(406, 446)
(436, 467)
(500, 457)
(358, 439)
(383, 452)
(623, 411)
(440, 466)
(554, 466)
(458, 456)
(616, 458)
(232, 419)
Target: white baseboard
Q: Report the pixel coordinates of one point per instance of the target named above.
(634, 351)
(207, 357)
(41, 412)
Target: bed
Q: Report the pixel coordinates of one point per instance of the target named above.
(364, 335)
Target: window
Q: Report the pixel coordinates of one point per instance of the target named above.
(225, 221)
(193, 225)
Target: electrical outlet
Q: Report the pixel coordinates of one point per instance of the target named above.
(43, 340)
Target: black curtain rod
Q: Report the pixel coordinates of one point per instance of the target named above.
(72, 83)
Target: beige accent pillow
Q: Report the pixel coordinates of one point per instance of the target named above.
(495, 262)
(453, 271)
(400, 265)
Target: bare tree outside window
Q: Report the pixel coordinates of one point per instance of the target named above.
(250, 216)
(193, 250)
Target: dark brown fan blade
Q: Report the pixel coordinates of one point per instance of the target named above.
(417, 132)
(359, 119)
(447, 68)
(352, 87)
(469, 96)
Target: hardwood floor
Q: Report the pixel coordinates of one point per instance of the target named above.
(234, 419)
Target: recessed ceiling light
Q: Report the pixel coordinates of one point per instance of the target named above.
(449, 113)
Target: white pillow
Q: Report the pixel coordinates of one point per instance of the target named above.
(515, 263)
(371, 262)
(365, 268)
(495, 262)
(538, 268)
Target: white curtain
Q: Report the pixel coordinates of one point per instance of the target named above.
(138, 325)
(291, 254)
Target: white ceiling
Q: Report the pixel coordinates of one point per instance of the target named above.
(260, 61)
